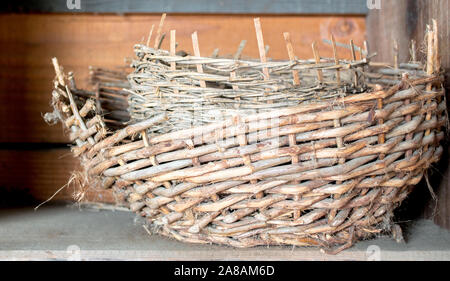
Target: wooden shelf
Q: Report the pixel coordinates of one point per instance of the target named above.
(54, 231)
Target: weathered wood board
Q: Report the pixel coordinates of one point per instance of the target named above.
(406, 20)
(28, 42)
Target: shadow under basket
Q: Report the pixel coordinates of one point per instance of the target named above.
(310, 153)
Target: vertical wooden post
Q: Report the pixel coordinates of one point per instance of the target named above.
(317, 59)
(290, 50)
(336, 59)
(197, 54)
(406, 21)
(352, 48)
(262, 56)
(430, 70)
(262, 50)
(173, 48)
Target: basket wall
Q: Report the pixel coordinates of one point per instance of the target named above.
(327, 172)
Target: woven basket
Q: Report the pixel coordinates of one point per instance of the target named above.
(305, 152)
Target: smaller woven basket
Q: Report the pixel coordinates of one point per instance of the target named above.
(243, 152)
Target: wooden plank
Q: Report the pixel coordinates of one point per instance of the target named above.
(28, 42)
(39, 174)
(48, 233)
(406, 20)
(192, 6)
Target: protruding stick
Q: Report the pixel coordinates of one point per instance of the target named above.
(161, 40)
(173, 48)
(365, 53)
(336, 59)
(75, 112)
(150, 35)
(430, 57)
(58, 72)
(317, 58)
(437, 59)
(290, 50)
(352, 48)
(430, 69)
(196, 47)
(262, 55)
(159, 31)
(215, 53)
(262, 50)
(237, 56)
(241, 47)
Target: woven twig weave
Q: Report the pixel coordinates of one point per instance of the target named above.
(311, 153)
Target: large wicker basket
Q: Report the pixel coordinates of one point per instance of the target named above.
(308, 152)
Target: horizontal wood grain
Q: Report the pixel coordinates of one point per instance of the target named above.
(28, 42)
(40, 173)
(191, 6)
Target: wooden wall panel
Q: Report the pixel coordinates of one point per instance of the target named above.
(343, 7)
(405, 20)
(28, 42)
(39, 173)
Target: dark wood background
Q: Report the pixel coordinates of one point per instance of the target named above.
(310, 7)
(34, 156)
